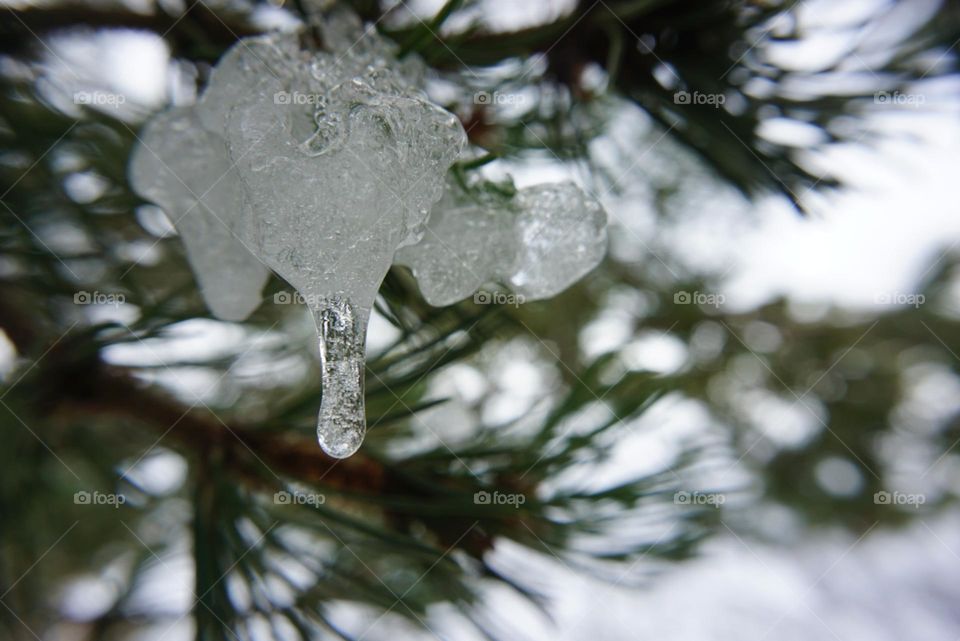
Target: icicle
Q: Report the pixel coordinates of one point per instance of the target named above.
(337, 187)
(319, 166)
(342, 333)
(333, 161)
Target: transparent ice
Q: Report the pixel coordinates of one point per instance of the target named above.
(537, 241)
(332, 161)
(184, 168)
(324, 167)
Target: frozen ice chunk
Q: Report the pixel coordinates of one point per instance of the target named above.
(185, 169)
(562, 235)
(323, 164)
(341, 160)
(469, 240)
(537, 242)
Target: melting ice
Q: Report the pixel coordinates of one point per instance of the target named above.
(537, 241)
(319, 166)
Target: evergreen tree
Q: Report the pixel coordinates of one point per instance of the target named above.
(130, 445)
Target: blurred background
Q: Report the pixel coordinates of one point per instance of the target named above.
(743, 425)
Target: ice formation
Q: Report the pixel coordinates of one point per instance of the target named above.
(338, 158)
(184, 168)
(325, 167)
(537, 241)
